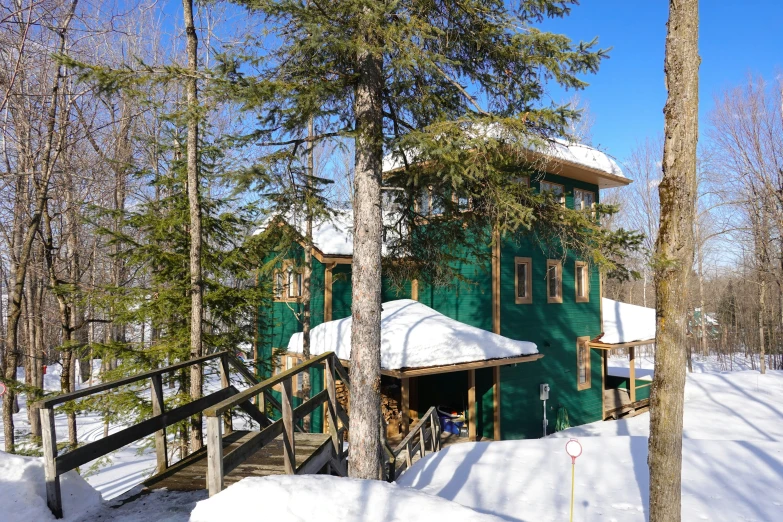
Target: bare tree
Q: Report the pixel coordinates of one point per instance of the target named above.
(674, 258)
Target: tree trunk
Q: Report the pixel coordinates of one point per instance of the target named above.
(366, 269)
(674, 259)
(308, 265)
(196, 287)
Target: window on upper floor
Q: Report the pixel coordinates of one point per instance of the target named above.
(523, 279)
(584, 200)
(287, 282)
(554, 281)
(582, 282)
(557, 190)
(583, 380)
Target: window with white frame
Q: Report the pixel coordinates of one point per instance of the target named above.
(554, 281)
(582, 282)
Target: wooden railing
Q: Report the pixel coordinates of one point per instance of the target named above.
(426, 430)
(56, 465)
(219, 465)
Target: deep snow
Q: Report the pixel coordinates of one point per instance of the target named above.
(626, 323)
(414, 335)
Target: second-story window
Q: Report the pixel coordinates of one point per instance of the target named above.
(523, 280)
(582, 282)
(584, 200)
(557, 190)
(554, 281)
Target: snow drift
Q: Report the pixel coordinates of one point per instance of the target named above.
(286, 498)
(23, 491)
(626, 323)
(414, 335)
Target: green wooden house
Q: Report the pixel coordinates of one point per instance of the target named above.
(518, 293)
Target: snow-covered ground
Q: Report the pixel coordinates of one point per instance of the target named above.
(732, 470)
(732, 462)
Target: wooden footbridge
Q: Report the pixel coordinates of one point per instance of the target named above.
(278, 447)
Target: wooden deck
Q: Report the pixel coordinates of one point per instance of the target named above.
(191, 473)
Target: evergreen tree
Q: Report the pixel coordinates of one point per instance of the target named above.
(454, 89)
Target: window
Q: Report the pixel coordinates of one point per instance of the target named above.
(583, 381)
(287, 282)
(584, 200)
(582, 282)
(557, 190)
(523, 288)
(554, 281)
(522, 180)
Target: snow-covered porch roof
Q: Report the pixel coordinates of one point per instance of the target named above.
(624, 325)
(417, 340)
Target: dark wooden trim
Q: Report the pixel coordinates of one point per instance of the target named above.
(59, 399)
(93, 450)
(496, 280)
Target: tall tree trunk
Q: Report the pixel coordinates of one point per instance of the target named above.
(674, 258)
(366, 269)
(308, 264)
(196, 287)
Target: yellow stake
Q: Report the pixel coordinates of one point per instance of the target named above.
(573, 466)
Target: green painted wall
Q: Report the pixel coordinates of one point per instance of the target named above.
(553, 327)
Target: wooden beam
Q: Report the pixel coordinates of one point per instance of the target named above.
(84, 392)
(604, 346)
(604, 372)
(328, 282)
(497, 433)
(93, 450)
(418, 372)
(415, 289)
(161, 453)
(496, 280)
(225, 382)
(472, 405)
(49, 439)
(214, 455)
(405, 390)
(289, 449)
(632, 368)
(331, 405)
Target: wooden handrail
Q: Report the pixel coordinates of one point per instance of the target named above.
(407, 446)
(259, 388)
(84, 392)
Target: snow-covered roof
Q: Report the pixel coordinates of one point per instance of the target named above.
(414, 335)
(626, 323)
(558, 149)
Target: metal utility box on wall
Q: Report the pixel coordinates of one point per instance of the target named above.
(544, 392)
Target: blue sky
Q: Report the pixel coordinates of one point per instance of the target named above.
(627, 95)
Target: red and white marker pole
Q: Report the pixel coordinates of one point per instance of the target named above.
(574, 449)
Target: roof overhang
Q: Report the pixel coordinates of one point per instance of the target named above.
(567, 169)
(448, 368)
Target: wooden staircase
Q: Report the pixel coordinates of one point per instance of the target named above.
(278, 447)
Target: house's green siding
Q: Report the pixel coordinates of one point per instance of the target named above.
(553, 327)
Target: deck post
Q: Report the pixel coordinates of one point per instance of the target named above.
(405, 407)
(496, 432)
(632, 373)
(161, 453)
(49, 440)
(214, 455)
(289, 450)
(224, 383)
(331, 405)
(472, 405)
(434, 437)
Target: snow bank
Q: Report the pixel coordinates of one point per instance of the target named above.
(626, 323)
(416, 336)
(23, 491)
(324, 498)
